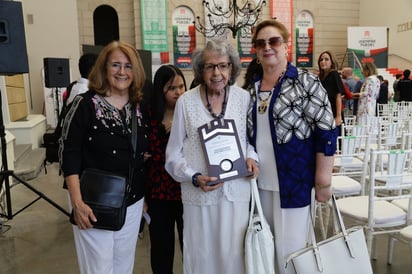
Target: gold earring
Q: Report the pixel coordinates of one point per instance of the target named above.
(257, 61)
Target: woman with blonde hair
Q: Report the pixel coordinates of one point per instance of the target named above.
(369, 92)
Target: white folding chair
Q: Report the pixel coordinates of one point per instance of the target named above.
(348, 123)
(349, 173)
(376, 210)
(350, 166)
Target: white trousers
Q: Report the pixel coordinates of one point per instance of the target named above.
(213, 238)
(110, 252)
(289, 226)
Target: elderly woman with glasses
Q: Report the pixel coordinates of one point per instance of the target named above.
(291, 124)
(215, 210)
(97, 135)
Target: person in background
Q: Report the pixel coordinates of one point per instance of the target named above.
(86, 63)
(355, 95)
(383, 93)
(405, 87)
(350, 82)
(369, 92)
(215, 213)
(398, 77)
(253, 70)
(163, 195)
(291, 124)
(332, 82)
(97, 134)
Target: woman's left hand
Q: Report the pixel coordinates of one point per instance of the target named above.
(338, 121)
(252, 167)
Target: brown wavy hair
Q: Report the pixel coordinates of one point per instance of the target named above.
(334, 65)
(98, 80)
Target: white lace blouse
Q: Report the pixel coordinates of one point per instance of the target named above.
(184, 155)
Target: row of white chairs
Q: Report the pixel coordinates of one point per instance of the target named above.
(372, 177)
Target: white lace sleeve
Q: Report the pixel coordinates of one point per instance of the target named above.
(176, 164)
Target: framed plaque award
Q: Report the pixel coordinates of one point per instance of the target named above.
(222, 150)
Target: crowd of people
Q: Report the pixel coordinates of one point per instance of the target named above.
(286, 137)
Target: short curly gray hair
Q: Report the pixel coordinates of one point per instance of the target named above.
(223, 48)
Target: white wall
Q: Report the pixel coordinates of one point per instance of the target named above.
(53, 32)
(390, 14)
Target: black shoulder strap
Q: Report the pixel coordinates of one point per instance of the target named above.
(68, 91)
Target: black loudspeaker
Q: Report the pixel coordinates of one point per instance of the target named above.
(13, 52)
(56, 72)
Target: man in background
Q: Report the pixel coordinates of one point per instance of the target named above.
(350, 82)
(86, 63)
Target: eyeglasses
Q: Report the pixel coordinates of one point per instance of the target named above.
(221, 66)
(115, 66)
(273, 42)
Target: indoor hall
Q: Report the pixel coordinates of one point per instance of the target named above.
(39, 239)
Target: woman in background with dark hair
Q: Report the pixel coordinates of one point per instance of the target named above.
(332, 82)
(253, 71)
(163, 196)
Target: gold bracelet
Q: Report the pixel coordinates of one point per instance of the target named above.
(318, 186)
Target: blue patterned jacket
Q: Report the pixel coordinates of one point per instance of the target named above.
(301, 125)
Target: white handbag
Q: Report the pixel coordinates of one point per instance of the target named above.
(343, 253)
(259, 243)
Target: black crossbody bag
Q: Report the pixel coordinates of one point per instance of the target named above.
(107, 193)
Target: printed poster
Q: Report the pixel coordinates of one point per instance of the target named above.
(304, 39)
(184, 36)
(369, 44)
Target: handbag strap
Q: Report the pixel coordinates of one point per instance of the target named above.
(339, 220)
(133, 141)
(134, 132)
(255, 202)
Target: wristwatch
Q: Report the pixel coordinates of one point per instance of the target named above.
(194, 179)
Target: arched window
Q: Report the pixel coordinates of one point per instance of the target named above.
(105, 25)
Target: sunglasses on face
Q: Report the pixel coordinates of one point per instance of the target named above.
(273, 42)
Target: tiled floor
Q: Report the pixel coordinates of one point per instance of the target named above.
(39, 239)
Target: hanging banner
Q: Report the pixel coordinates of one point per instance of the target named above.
(369, 44)
(282, 10)
(304, 39)
(184, 37)
(154, 30)
(245, 47)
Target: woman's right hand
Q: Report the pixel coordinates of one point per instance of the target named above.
(83, 215)
(204, 183)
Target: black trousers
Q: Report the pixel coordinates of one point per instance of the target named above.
(165, 215)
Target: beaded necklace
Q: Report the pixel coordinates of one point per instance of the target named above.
(209, 107)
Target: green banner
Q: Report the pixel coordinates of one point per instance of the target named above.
(154, 29)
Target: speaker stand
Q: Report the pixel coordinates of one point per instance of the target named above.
(5, 175)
